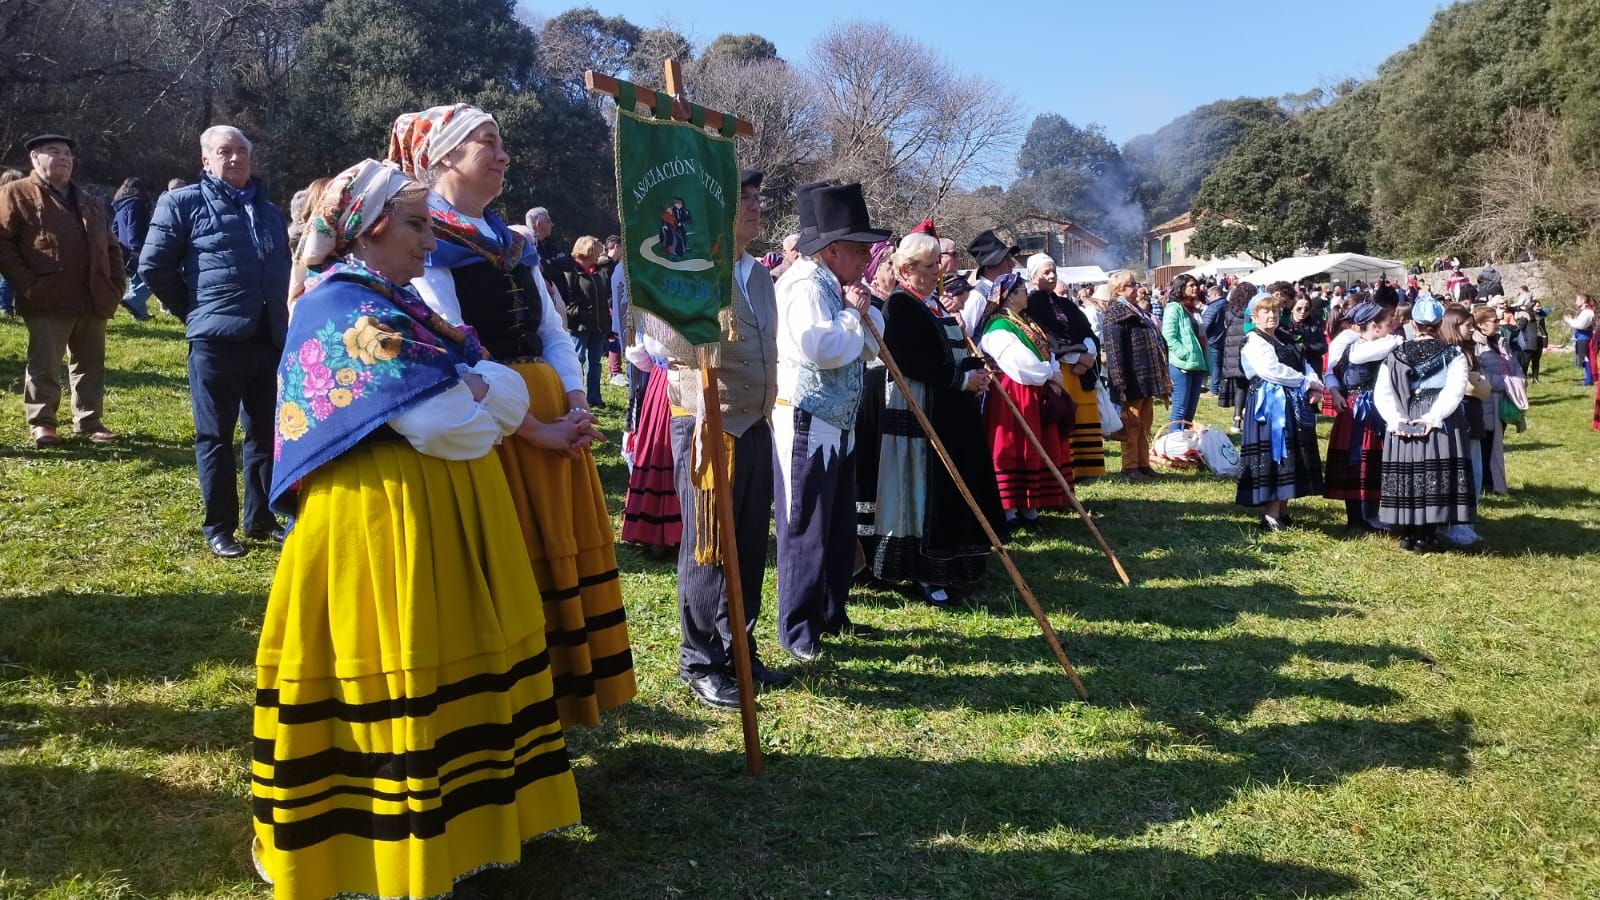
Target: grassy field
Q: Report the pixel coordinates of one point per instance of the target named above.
(1288, 716)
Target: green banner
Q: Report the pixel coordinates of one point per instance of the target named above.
(677, 195)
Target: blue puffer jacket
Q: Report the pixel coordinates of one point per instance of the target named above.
(209, 267)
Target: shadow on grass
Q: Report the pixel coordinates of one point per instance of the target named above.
(1194, 685)
(130, 448)
(149, 637)
(78, 822)
(871, 827)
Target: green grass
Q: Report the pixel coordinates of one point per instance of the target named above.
(1286, 716)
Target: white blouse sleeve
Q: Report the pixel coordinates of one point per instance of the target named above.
(638, 354)
(826, 341)
(1384, 397)
(972, 311)
(558, 349)
(452, 425)
(1372, 351)
(1260, 362)
(1455, 387)
(438, 289)
(1016, 360)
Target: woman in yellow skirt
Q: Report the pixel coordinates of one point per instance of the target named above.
(485, 275)
(405, 731)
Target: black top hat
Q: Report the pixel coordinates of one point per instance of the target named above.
(38, 139)
(988, 250)
(749, 177)
(802, 208)
(840, 213)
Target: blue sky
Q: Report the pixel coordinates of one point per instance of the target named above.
(1130, 66)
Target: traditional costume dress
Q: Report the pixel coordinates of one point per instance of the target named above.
(869, 431)
(483, 274)
(1426, 480)
(1071, 335)
(651, 513)
(1355, 445)
(926, 532)
(1278, 455)
(405, 735)
(1027, 372)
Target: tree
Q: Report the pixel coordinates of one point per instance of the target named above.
(1169, 165)
(367, 61)
(654, 46)
(581, 39)
(744, 48)
(1272, 196)
(776, 99)
(1078, 174)
(901, 122)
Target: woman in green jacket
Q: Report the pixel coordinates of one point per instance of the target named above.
(1187, 364)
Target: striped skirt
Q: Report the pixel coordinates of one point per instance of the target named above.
(1263, 479)
(651, 514)
(1428, 480)
(1024, 480)
(1088, 448)
(405, 734)
(568, 538)
(1362, 479)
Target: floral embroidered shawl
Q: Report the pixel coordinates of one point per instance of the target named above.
(360, 351)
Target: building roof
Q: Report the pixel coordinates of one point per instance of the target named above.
(1176, 224)
(1066, 225)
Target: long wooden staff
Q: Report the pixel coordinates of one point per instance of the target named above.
(977, 512)
(1038, 447)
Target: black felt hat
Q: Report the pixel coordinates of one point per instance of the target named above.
(840, 214)
(989, 250)
(38, 139)
(802, 208)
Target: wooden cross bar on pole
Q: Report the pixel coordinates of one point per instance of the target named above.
(1038, 447)
(712, 401)
(1032, 602)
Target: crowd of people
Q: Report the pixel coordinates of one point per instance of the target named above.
(409, 375)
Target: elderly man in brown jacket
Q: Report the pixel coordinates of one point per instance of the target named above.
(57, 250)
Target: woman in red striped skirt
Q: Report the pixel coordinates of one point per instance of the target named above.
(651, 513)
(1355, 447)
(1031, 376)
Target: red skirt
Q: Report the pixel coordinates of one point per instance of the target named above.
(1362, 480)
(650, 513)
(1024, 481)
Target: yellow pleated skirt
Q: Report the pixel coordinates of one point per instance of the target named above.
(405, 729)
(569, 540)
(1088, 447)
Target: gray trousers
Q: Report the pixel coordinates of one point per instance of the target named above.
(702, 603)
(82, 340)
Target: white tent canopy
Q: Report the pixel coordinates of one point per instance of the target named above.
(1229, 266)
(1081, 275)
(1342, 266)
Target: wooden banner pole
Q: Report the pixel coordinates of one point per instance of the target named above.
(711, 399)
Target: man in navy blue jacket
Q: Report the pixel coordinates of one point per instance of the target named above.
(217, 255)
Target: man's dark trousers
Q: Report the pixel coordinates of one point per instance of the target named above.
(702, 609)
(233, 382)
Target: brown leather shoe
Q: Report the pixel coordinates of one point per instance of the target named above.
(102, 436)
(45, 436)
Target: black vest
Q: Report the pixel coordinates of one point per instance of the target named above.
(505, 308)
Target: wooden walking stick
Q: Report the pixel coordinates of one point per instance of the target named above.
(711, 399)
(1038, 447)
(977, 512)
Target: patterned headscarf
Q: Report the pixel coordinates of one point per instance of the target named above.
(419, 140)
(880, 252)
(349, 205)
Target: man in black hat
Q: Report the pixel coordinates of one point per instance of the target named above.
(823, 346)
(748, 380)
(994, 258)
(57, 252)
